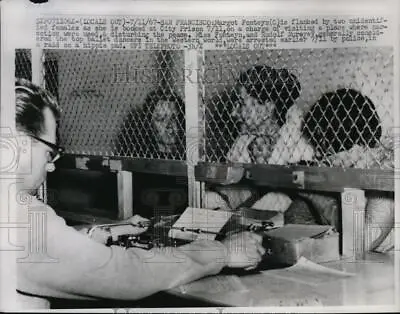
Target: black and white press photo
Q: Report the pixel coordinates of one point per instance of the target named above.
(189, 156)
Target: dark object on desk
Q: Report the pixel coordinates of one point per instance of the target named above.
(287, 244)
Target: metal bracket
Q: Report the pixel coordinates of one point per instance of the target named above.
(233, 175)
(298, 178)
(115, 165)
(81, 163)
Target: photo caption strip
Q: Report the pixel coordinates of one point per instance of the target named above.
(234, 33)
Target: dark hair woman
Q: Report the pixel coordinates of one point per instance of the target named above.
(157, 131)
(264, 95)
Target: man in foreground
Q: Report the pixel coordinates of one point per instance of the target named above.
(71, 264)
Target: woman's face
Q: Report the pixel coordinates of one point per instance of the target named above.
(251, 113)
(164, 119)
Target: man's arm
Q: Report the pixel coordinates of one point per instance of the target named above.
(85, 268)
(134, 225)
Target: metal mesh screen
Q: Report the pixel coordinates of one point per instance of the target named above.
(326, 107)
(119, 103)
(23, 64)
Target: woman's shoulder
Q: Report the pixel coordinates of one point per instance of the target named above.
(294, 113)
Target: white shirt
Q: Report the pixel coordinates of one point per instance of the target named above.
(71, 265)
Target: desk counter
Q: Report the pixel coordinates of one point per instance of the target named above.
(373, 283)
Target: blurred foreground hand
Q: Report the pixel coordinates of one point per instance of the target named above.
(245, 250)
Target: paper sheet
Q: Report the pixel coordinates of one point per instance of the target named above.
(214, 284)
(297, 231)
(200, 218)
(274, 291)
(307, 272)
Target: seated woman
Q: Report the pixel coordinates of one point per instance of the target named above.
(344, 130)
(341, 129)
(157, 131)
(264, 96)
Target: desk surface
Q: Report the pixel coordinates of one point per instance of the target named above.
(372, 284)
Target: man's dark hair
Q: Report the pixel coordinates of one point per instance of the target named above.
(30, 102)
(341, 119)
(268, 84)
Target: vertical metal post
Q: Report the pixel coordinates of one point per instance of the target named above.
(125, 200)
(192, 124)
(353, 223)
(37, 67)
(202, 121)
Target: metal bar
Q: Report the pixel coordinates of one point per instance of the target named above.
(99, 163)
(125, 199)
(37, 67)
(353, 223)
(164, 167)
(314, 178)
(201, 124)
(192, 124)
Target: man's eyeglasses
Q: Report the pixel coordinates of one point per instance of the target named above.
(56, 151)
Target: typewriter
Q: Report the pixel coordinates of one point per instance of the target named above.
(284, 245)
(157, 231)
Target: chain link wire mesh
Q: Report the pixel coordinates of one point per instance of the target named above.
(324, 107)
(119, 103)
(337, 101)
(23, 64)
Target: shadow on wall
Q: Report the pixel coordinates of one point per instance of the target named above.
(80, 191)
(95, 193)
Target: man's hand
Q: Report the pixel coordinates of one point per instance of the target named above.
(139, 224)
(133, 226)
(245, 250)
